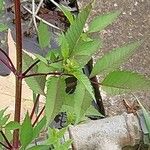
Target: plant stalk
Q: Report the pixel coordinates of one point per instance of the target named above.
(19, 72)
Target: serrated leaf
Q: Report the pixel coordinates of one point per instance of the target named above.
(114, 59)
(36, 83)
(67, 13)
(39, 147)
(26, 132)
(40, 125)
(125, 81)
(102, 21)
(64, 47)
(74, 32)
(12, 125)
(91, 111)
(4, 120)
(65, 10)
(82, 101)
(3, 27)
(54, 97)
(43, 35)
(84, 51)
(85, 81)
(41, 58)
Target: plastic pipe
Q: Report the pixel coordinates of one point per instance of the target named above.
(112, 133)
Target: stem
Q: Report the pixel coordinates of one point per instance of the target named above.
(12, 65)
(19, 72)
(45, 74)
(34, 107)
(6, 140)
(6, 64)
(23, 74)
(4, 145)
(36, 120)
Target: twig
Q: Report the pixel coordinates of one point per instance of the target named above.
(49, 24)
(30, 67)
(12, 65)
(45, 74)
(6, 140)
(4, 145)
(34, 107)
(6, 65)
(36, 120)
(33, 15)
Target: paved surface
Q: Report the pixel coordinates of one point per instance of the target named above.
(133, 24)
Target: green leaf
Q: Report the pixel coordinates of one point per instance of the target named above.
(2, 112)
(102, 21)
(54, 97)
(3, 27)
(91, 111)
(82, 101)
(67, 13)
(4, 120)
(36, 83)
(74, 32)
(12, 125)
(26, 132)
(1, 5)
(85, 81)
(65, 10)
(84, 51)
(41, 58)
(40, 125)
(43, 35)
(146, 116)
(64, 47)
(125, 81)
(39, 147)
(114, 59)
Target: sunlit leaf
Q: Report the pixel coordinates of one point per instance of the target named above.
(74, 32)
(114, 59)
(102, 21)
(40, 125)
(85, 81)
(125, 81)
(36, 83)
(43, 35)
(82, 101)
(26, 132)
(39, 147)
(54, 97)
(12, 125)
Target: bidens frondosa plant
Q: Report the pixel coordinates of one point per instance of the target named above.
(47, 76)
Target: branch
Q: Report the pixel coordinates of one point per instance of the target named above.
(45, 74)
(6, 140)
(30, 67)
(12, 65)
(36, 120)
(34, 107)
(49, 24)
(4, 145)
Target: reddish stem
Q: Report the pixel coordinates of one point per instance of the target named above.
(18, 72)
(34, 107)
(30, 67)
(6, 140)
(39, 115)
(12, 65)
(45, 74)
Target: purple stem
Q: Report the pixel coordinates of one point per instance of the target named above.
(8, 58)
